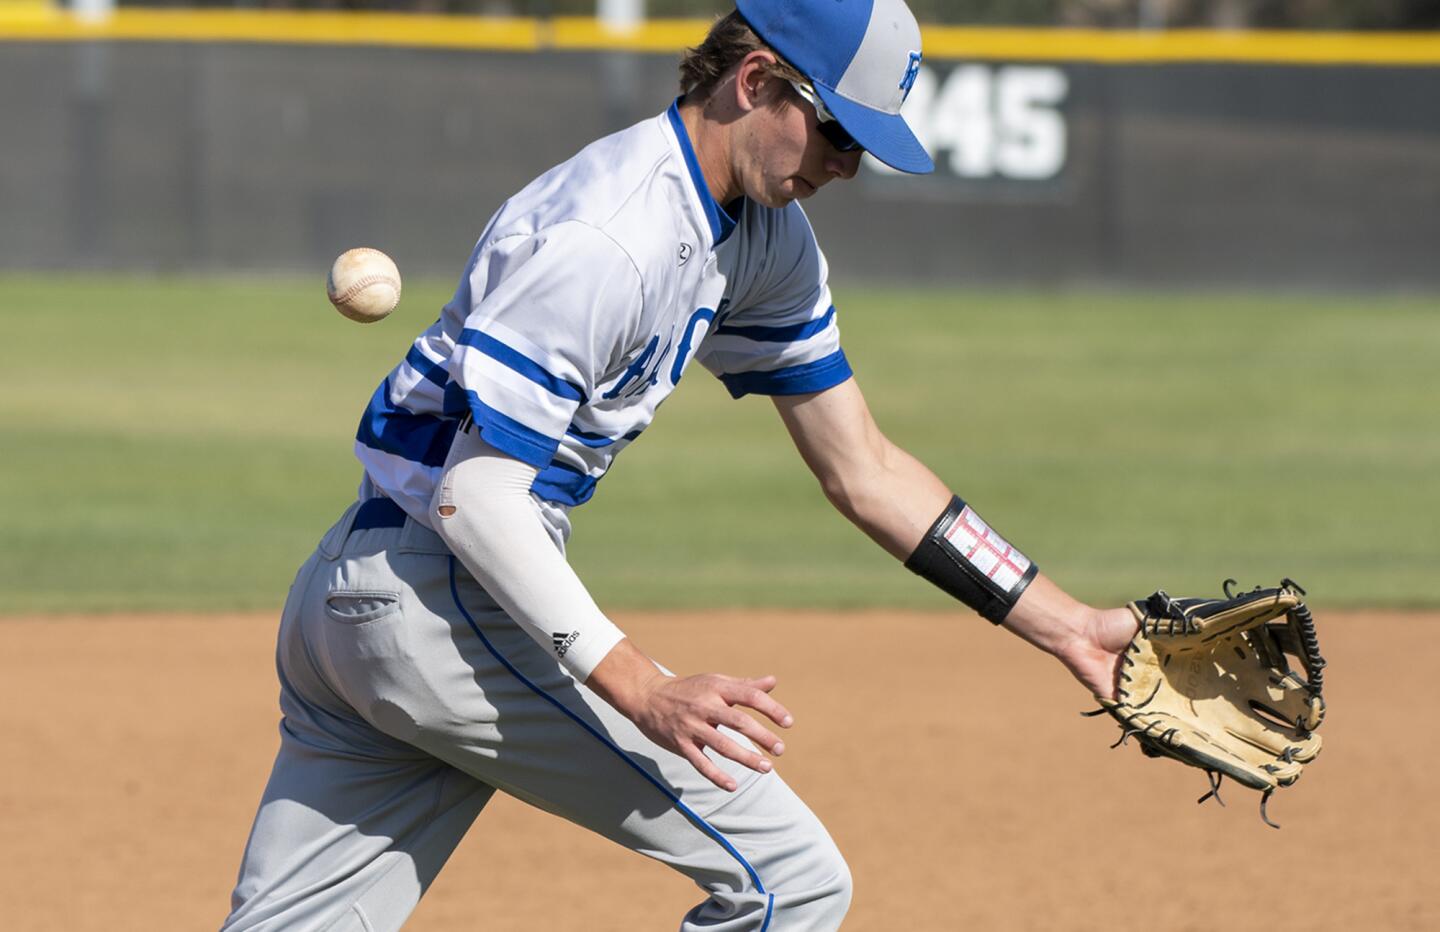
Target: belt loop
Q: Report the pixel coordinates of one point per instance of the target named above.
(333, 542)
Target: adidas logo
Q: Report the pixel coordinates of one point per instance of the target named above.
(562, 641)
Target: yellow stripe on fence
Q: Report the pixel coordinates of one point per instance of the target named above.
(282, 26)
(1184, 45)
(29, 21)
(579, 33)
(23, 10)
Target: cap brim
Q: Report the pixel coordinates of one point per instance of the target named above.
(884, 135)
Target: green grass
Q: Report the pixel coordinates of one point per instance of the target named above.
(180, 443)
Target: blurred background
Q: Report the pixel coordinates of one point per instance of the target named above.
(1136, 155)
(1178, 267)
(1145, 14)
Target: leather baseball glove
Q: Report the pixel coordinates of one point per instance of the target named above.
(1208, 683)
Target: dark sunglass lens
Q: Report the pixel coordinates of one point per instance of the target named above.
(835, 134)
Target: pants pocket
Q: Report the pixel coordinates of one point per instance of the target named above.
(360, 607)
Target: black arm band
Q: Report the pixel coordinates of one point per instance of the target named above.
(963, 556)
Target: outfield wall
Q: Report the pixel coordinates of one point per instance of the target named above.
(1198, 167)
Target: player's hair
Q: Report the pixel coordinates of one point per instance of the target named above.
(728, 41)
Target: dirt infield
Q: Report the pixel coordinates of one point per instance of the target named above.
(945, 756)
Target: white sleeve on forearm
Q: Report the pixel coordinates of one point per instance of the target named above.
(484, 511)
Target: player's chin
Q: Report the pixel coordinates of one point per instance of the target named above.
(800, 189)
(791, 189)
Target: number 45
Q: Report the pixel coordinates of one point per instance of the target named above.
(1003, 122)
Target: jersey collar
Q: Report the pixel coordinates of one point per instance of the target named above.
(721, 223)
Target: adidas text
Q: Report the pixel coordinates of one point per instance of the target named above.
(563, 641)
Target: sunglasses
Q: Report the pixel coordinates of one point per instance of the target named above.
(829, 127)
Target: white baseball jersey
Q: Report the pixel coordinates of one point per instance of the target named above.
(585, 299)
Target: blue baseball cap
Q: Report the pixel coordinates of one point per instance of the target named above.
(862, 57)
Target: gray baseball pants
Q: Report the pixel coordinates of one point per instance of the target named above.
(409, 698)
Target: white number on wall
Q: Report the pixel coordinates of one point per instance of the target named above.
(987, 122)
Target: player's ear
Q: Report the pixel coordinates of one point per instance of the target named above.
(753, 81)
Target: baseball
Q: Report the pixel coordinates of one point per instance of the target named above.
(364, 285)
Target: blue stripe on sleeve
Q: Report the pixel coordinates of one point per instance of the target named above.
(564, 485)
(455, 404)
(508, 435)
(793, 380)
(390, 428)
(519, 362)
(792, 333)
(593, 441)
(432, 371)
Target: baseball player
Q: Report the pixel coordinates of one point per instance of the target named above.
(437, 647)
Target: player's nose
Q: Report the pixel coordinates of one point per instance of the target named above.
(843, 164)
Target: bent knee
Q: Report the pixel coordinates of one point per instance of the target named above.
(814, 890)
(836, 886)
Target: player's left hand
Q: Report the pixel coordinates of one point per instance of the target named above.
(1210, 682)
(1093, 655)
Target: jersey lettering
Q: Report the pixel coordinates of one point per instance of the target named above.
(642, 374)
(634, 370)
(688, 341)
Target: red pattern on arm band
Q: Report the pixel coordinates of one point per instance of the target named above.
(966, 557)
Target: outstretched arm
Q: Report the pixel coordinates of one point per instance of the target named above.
(895, 499)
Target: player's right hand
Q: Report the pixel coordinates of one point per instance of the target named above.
(684, 714)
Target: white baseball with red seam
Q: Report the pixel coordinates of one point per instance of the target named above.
(364, 284)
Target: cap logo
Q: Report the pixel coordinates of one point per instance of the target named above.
(912, 71)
